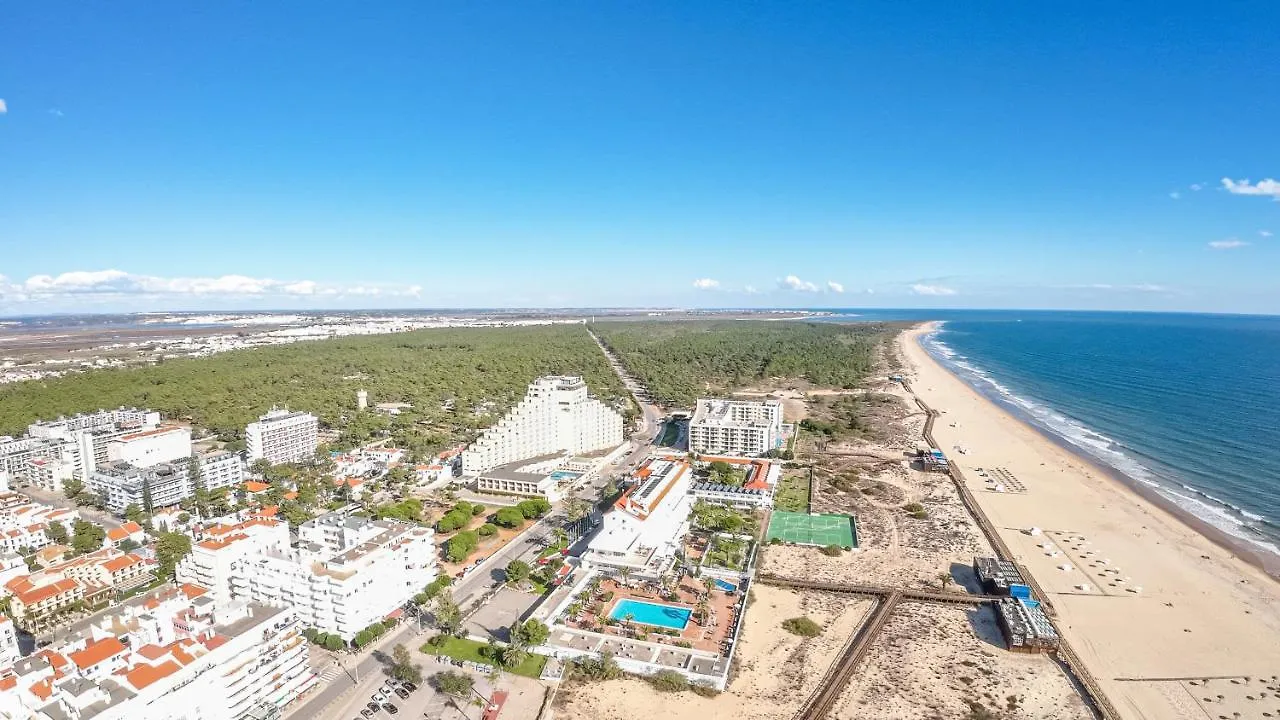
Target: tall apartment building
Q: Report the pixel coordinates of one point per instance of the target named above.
(121, 484)
(83, 440)
(151, 447)
(171, 654)
(556, 415)
(281, 436)
(220, 469)
(345, 574)
(49, 473)
(735, 427)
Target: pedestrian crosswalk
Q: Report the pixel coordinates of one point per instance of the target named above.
(329, 672)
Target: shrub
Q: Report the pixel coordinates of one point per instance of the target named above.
(775, 541)
(531, 632)
(832, 550)
(703, 690)
(606, 668)
(534, 508)
(509, 518)
(669, 681)
(453, 520)
(477, 509)
(802, 626)
(487, 530)
(460, 546)
(517, 570)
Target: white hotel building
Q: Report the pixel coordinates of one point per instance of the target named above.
(281, 436)
(646, 526)
(735, 427)
(345, 574)
(555, 416)
(151, 447)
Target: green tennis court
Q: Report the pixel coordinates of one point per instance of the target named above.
(805, 529)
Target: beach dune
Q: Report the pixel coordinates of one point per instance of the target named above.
(1152, 606)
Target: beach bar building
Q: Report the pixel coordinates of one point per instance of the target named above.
(997, 576)
(1025, 626)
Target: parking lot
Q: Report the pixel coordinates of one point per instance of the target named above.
(500, 613)
(524, 699)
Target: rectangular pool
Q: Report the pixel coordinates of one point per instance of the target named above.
(726, 585)
(647, 613)
(562, 475)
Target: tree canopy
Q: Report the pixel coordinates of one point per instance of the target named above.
(482, 371)
(680, 361)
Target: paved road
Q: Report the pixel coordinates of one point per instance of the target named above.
(93, 515)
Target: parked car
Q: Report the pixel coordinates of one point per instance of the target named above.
(404, 694)
(391, 709)
(366, 713)
(373, 707)
(409, 686)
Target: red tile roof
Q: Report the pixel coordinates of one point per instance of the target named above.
(143, 675)
(97, 652)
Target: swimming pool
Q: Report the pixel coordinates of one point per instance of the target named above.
(647, 613)
(563, 475)
(725, 585)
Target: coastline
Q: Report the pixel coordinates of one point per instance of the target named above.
(1268, 563)
(1190, 602)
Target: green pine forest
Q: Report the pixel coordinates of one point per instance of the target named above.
(459, 380)
(680, 361)
(479, 369)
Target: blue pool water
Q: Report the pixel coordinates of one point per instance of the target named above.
(725, 585)
(646, 613)
(562, 475)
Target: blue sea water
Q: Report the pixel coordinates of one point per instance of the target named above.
(1187, 404)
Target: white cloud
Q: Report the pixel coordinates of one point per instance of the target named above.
(706, 284)
(834, 286)
(56, 112)
(751, 290)
(1141, 287)
(116, 283)
(869, 291)
(1175, 194)
(1228, 244)
(1196, 187)
(1267, 188)
(1264, 233)
(922, 289)
(3, 108)
(791, 282)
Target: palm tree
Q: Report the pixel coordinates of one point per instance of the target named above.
(663, 581)
(703, 608)
(945, 579)
(562, 537)
(626, 575)
(709, 583)
(627, 620)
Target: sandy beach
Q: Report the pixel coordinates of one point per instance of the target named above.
(1171, 623)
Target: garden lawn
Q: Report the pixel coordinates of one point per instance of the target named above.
(470, 650)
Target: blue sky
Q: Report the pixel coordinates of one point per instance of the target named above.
(405, 154)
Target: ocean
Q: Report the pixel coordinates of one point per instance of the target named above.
(1187, 404)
